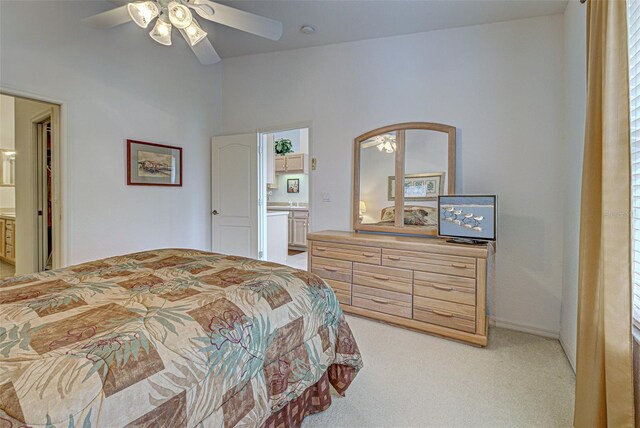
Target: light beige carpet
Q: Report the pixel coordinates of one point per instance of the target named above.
(414, 380)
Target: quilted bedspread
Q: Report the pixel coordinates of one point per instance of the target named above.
(167, 338)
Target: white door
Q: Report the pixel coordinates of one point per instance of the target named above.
(234, 198)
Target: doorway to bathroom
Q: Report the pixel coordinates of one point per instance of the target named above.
(29, 185)
(285, 166)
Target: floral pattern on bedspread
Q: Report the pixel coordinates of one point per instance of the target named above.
(167, 338)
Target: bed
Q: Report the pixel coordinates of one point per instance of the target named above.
(171, 338)
(413, 215)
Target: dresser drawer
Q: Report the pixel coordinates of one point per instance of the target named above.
(9, 225)
(430, 262)
(388, 302)
(449, 280)
(355, 253)
(338, 270)
(384, 278)
(450, 293)
(446, 314)
(342, 290)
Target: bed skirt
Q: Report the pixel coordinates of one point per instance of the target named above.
(314, 399)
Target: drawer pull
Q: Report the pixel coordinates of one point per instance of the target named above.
(368, 255)
(393, 257)
(458, 265)
(330, 269)
(382, 302)
(321, 249)
(441, 313)
(442, 287)
(381, 278)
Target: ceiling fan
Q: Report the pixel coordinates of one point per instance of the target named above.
(177, 13)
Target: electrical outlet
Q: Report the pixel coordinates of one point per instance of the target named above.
(326, 197)
(313, 164)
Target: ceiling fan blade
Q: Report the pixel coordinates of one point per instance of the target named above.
(236, 18)
(203, 50)
(111, 18)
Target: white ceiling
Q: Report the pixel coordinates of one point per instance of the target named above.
(338, 21)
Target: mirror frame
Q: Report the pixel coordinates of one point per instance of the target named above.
(398, 227)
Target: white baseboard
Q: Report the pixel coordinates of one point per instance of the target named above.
(569, 352)
(498, 322)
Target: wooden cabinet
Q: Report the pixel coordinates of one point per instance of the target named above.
(424, 284)
(281, 164)
(298, 226)
(7, 240)
(295, 162)
(291, 163)
(3, 224)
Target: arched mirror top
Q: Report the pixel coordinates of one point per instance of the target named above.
(414, 160)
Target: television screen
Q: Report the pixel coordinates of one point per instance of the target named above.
(467, 216)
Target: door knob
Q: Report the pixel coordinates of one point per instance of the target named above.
(214, 212)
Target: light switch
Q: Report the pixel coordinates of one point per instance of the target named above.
(326, 197)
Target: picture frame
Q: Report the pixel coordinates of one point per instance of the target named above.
(293, 185)
(418, 187)
(152, 164)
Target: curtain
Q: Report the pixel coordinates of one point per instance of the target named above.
(604, 371)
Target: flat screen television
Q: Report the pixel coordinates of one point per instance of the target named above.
(467, 218)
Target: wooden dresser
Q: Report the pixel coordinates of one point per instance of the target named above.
(424, 284)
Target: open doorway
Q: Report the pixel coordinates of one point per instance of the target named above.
(29, 206)
(284, 166)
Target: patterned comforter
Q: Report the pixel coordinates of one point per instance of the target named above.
(167, 338)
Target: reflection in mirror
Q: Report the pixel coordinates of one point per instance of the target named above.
(8, 175)
(426, 161)
(377, 162)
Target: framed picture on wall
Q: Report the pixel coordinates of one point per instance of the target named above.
(293, 185)
(419, 187)
(151, 164)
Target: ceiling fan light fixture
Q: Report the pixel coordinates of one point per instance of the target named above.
(194, 33)
(179, 15)
(143, 12)
(161, 32)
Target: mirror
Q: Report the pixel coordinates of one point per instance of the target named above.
(415, 161)
(8, 168)
(377, 162)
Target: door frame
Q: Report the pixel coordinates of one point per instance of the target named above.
(262, 178)
(41, 199)
(60, 196)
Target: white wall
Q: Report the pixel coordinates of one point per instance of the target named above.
(499, 84)
(116, 84)
(575, 93)
(296, 141)
(280, 194)
(7, 122)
